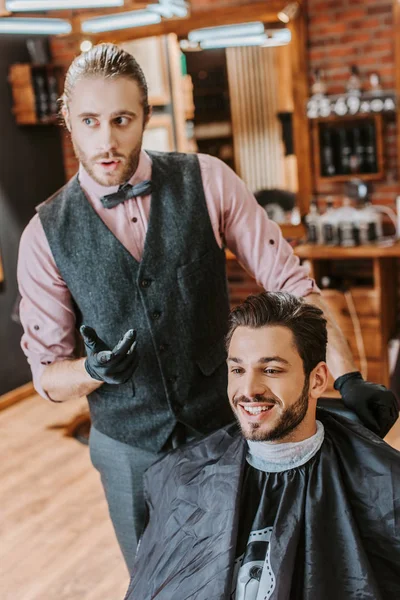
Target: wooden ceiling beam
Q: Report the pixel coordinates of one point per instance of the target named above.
(223, 15)
(3, 11)
(81, 13)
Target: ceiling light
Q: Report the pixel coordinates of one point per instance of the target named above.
(278, 37)
(86, 45)
(210, 33)
(289, 13)
(227, 42)
(189, 46)
(40, 5)
(273, 37)
(11, 25)
(124, 20)
(170, 8)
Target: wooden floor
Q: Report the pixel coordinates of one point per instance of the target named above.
(56, 539)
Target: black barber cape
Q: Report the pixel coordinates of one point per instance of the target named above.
(330, 529)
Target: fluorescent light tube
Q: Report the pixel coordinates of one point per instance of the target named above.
(11, 25)
(225, 42)
(164, 10)
(169, 9)
(209, 33)
(39, 5)
(124, 20)
(278, 37)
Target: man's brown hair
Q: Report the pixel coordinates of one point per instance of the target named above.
(305, 321)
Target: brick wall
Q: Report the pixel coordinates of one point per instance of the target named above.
(360, 32)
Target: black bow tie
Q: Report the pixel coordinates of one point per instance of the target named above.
(125, 192)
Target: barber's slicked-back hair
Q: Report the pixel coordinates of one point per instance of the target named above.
(306, 322)
(108, 61)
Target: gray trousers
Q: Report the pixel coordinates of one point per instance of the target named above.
(121, 468)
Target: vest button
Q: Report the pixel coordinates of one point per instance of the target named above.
(145, 283)
(163, 347)
(156, 315)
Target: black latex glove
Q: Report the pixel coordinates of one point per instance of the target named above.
(114, 366)
(375, 405)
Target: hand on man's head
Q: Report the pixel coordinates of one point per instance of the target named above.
(110, 365)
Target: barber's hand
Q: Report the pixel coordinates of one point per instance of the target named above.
(374, 404)
(114, 366)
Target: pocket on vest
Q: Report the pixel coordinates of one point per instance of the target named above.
(203, 288)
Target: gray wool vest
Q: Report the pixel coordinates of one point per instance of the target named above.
(175, 297)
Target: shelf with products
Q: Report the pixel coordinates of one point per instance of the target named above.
(348, 147)
(359, 287)
(35, 90)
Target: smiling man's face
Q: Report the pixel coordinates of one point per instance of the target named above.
(106, 121)
(267, 388)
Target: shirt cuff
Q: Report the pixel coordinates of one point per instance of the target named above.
(305, 287)
(37, 372)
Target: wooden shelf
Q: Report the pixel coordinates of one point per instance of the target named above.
(343, 178)
(319, 252)
(22, 81)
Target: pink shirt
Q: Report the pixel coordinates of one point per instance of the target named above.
(46, 309)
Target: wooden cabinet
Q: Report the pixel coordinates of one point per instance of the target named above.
(366, 313)
(346, 147)
(35, 90)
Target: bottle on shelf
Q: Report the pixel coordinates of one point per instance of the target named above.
(354, 82)
(318, 86)
(313, 224)
(357, 159)
(370, 224)
(347, 223)
(371, 165)
(41, 95)
(329, 229)
(327, 155)
(52, 87)
(344, 151)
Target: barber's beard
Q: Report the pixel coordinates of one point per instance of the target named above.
(289, 420)
(129, 164)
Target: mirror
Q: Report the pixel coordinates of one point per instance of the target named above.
(249, 103)
(243, 109)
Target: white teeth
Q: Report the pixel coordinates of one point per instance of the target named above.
(256, 410)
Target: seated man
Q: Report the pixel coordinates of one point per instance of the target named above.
(298, 505)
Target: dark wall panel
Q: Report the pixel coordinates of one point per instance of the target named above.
(31, 169)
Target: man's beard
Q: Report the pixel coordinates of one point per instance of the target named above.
(288, 422)
(130, 164)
